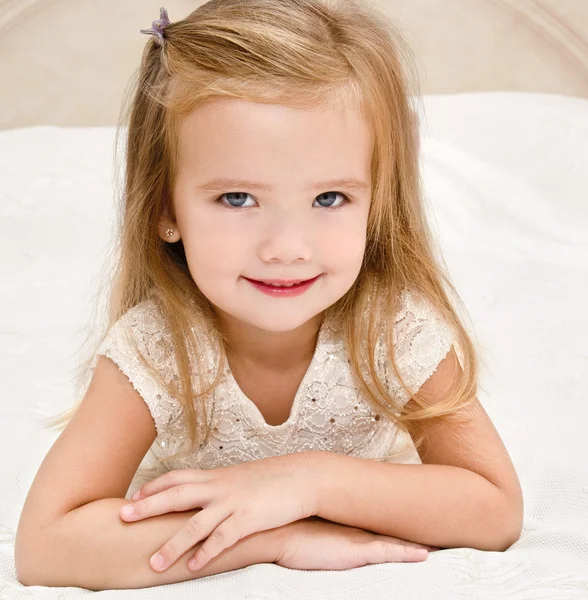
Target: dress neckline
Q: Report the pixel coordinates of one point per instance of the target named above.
(254, 411)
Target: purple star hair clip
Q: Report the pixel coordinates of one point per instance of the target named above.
(158, 26)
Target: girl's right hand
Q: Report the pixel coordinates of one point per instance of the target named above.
(317, 544)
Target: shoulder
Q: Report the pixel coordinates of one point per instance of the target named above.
(415, 305)
(422, 338)
(418, 318)
(138, 337)
(144, 318)
(142, 326)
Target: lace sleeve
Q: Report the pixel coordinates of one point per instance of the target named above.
(142, 322)
(422, 340)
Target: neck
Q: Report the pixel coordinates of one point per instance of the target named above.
(271, 350)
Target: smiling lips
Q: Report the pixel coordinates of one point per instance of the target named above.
(283, 287)
(281, 282)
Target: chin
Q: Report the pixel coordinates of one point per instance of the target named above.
(278, 322)
(277, 314)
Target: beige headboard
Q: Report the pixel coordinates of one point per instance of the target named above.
(67, 62)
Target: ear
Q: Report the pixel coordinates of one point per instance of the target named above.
(165, 225)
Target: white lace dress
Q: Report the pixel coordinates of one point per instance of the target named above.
(329, 411)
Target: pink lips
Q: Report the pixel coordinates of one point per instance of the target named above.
(269, 288)
(280, 281)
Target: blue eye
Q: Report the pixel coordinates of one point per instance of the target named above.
(345, 199)
(241, 203)
(236, 205)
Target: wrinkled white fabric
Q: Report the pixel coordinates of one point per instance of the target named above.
(329, 412)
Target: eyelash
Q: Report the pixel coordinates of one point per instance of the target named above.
(220, 198)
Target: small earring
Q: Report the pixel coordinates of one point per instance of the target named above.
(169, 232)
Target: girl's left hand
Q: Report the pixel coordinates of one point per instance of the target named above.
(237, 501)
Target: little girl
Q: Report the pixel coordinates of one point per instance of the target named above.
(280, 327)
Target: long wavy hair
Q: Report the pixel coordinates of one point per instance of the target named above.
(304, 54)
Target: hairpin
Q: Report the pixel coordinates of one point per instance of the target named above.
(158, 26)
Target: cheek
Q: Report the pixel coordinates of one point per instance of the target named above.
(213, 248)
(342, 247)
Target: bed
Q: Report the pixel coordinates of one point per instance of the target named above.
(505, 167)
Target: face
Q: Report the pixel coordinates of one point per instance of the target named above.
(293, 228)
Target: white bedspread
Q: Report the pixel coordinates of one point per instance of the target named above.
(507, 180)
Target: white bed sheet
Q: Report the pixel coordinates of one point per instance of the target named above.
(506, 176)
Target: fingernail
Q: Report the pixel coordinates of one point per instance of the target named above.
(128, 510)
(136, 495)
(157, 561)
(192, 563)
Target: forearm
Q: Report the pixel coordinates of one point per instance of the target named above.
(437, 505)
(92, 548)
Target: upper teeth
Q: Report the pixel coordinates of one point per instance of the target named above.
(283, 285)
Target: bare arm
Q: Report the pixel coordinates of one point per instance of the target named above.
(91, 547)
(465, 494)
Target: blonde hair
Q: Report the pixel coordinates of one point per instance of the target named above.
(305, 54)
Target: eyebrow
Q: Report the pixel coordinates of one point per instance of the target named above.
(224, 183)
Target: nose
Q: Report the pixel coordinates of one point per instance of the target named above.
(286, 239)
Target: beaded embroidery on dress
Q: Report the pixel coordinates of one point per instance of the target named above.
(329, 411)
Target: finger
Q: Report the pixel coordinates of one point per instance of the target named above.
(171, 479)
(175, 499)
(381, 551)
(414, 554)
(224, 536)
(197, 528)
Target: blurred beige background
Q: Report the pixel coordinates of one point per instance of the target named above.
(68, 62)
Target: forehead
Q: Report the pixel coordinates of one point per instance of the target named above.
(236, 137)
